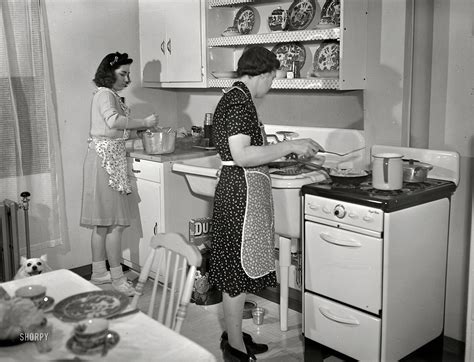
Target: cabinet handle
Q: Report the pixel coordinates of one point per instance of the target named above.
(329, 239)
(169, 45)
(135, 171)
(155, 229)
(163, 47)
(327, 313)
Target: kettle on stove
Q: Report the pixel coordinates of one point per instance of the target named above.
(387, 171)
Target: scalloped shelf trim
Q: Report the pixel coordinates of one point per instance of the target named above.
(215, 3)
(276, 37)
(299, 83)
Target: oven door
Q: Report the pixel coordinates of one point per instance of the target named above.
(343, 265)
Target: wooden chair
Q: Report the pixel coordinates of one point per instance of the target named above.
(178, 262)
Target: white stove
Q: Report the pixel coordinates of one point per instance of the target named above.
(375, 261)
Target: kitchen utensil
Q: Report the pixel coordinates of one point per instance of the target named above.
(341, 154)
(415, 171)
(387, 171)
(124, 314)
(159, 142)
(348, 176)
(257, 314)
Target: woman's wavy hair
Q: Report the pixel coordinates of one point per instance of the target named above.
(257, 60)
(105, 74)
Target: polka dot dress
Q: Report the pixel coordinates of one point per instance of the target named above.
(235, 114)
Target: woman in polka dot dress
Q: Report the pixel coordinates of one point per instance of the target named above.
(242, 256)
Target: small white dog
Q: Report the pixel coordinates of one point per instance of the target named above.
(32, 266)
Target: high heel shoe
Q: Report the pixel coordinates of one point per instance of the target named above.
(231, 354)
(255, 348)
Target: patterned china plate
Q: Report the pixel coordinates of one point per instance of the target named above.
(301, 13)
(97, 304)
(331, 9)
(326, 57)
(75, 347)
(286, 53)
(244, 20)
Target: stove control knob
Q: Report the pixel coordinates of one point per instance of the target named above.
(339, 211)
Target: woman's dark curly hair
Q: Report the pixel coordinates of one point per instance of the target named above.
(257, 60)
(105, 74)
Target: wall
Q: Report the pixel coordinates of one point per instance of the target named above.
(297, 108)
(397, 113)
(81, 33)
(452, 128)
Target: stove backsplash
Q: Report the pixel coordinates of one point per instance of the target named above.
(332, 139)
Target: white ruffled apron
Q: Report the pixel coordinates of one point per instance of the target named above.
(113, 154)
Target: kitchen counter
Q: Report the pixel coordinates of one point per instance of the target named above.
(182, 151)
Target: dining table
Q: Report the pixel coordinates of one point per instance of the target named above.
(141, 338)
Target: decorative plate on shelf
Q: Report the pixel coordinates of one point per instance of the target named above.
(326, 57)
(244, 20)
(287, 53)
(331, 10)
(300, 14)
(97, 304)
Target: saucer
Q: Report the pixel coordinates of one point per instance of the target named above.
(75, 347)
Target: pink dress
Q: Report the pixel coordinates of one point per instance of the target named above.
(106, 184)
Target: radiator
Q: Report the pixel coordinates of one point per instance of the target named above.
(10, 244)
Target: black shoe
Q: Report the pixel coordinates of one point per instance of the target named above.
(231, 354)
(255, 348)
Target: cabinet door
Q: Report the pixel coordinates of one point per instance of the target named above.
(170, 41)
(145, 208)
(183, 41)
(152, 40)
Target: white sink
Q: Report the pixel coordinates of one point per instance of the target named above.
(201, 173)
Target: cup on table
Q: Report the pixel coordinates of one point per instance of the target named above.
(34, 292)
(258, 314)
(91, 333)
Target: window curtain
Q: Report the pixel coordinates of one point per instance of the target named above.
(29, 138)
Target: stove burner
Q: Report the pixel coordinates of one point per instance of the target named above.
(389, 200)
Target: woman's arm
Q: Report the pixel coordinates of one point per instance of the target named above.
(245, 155)
(111, 115)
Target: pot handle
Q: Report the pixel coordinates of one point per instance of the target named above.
(385, 170)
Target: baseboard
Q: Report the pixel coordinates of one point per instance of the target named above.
(273, 295)
(85, 271)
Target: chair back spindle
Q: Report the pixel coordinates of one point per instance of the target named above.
(173, 284)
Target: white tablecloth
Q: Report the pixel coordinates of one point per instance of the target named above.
(141, 338)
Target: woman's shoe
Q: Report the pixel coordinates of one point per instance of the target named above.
(123, 286)
(104, 279)
(255, 348)
(231, 354)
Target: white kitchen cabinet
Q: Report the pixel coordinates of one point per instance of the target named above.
(160, 202)
(146, 209)
(351, 35)
(171, 45)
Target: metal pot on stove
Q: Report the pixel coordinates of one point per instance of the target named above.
(415, 171)
(387, 171)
